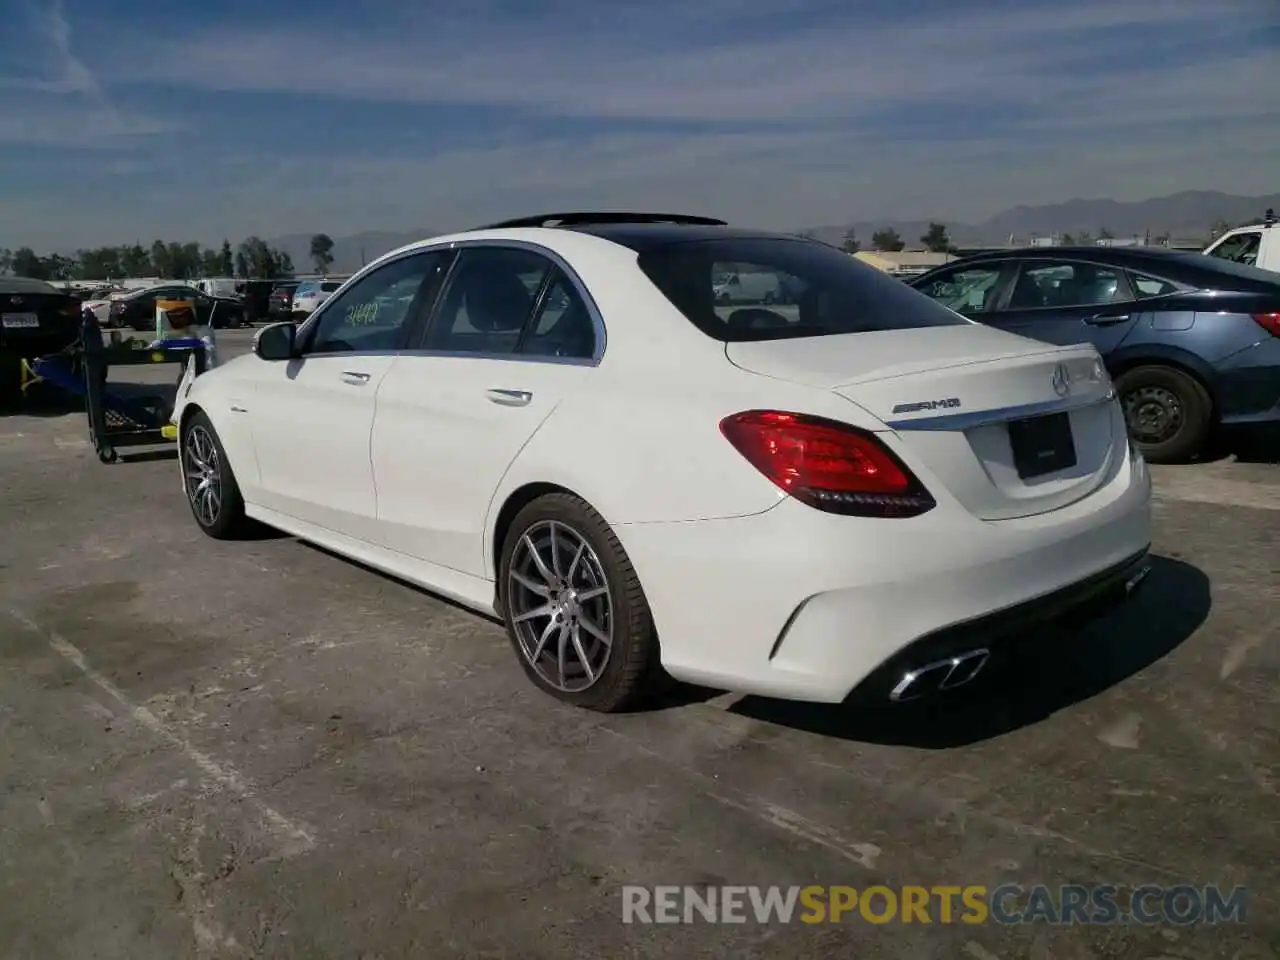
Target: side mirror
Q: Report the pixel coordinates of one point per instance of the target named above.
(277, 341)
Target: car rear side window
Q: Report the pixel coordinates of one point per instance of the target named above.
(1145, 286)
(770, 288)
(489, 299)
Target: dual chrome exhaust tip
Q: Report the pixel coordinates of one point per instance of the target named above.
(940, 675)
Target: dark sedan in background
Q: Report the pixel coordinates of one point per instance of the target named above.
(138, 309)
(1192, 342)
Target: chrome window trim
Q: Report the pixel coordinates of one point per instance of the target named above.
(597, 319)
(986, 418)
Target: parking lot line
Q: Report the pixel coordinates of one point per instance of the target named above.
(294, 837)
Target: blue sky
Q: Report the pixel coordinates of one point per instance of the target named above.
(123, 119)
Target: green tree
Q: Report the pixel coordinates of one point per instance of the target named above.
(1105, 234)
(936, 239)
(241, 264)
(887, 240)
(211, 263)
(135, 261)
(284, 264)
(99, 263)
(160, 259)
(6, 260)
(1085, 239)
(57, 267)
(26, 263)
(226, 263)
(850, 243)
(322, 252)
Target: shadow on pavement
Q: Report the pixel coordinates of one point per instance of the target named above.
(1045, 674)
(1247, 445)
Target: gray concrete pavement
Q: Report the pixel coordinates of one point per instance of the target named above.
(260, 750)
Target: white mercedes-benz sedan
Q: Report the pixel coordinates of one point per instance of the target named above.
(825, 486)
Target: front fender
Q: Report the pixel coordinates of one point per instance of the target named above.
(227, 398)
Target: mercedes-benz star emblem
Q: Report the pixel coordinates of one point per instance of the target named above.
(15, 300)
(1061, 382)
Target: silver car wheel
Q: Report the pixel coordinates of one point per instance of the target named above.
(201, 475)
(560, 607)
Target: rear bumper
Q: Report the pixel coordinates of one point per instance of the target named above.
(797, 604)
(1248, 385)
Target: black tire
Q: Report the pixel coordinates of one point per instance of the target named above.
(228, 520)
(633, 670)
(1168, 412)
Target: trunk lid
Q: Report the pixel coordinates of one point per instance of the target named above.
(986, 413)
(39, 319)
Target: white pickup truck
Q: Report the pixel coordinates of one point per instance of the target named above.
(1257, 245)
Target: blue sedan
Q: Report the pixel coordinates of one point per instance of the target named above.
(1192, 342)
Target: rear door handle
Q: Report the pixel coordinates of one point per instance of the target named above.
(1106, 319)
(355, 377)
(509, 398)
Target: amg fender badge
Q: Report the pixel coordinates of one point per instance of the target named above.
(950, 403)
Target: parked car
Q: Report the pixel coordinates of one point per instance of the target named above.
(36, 318)
(138, 308)
(309, 294)
(280, 303)
(1254, 246)
(1193, 342)
(559, 425)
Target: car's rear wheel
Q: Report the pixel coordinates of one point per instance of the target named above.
(211, 488)
(574, 608)
(1169, 413)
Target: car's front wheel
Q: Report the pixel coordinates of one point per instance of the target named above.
(210, 485)
(574, 608)
(1168, 412)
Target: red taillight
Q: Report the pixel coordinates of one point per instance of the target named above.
(828, 465)
(1269, 322)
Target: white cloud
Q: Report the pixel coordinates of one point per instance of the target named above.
(63, 103)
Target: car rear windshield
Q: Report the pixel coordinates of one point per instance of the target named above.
(770, 288)
(329, 286)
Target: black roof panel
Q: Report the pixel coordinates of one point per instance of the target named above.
(646, 236)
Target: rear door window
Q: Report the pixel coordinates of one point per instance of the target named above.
(784, 288)
(1061, 285)
(489, 299)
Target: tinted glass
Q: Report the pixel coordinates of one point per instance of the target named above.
(966, 290)
(329, 286)
(785, 288)
(373, 312)
(490, 298)
(1146, 286)
(1049, 284)
(563, 326)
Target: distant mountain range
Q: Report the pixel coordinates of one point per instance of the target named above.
(1183, 215)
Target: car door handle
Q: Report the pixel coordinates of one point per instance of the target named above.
(355, 377)
(509, 398)
(1106, 319)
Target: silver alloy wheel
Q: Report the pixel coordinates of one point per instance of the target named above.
(560, 606)
(201, 476)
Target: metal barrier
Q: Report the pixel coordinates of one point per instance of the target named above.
(117, 421)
